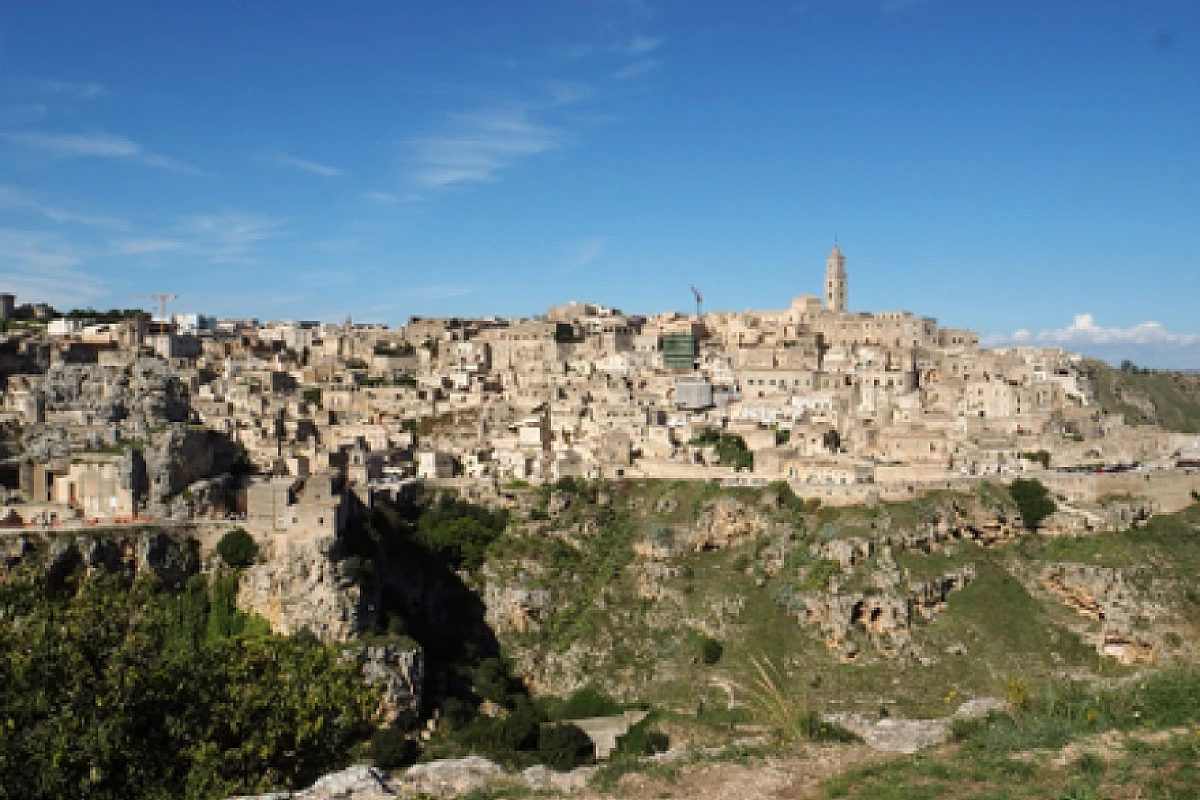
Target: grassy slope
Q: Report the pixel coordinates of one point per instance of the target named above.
(1163, 770)
(648, 650)
(1175, 396)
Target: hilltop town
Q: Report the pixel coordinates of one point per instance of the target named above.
(136, 418)
(665, 511)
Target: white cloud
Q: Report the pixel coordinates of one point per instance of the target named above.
(79, 91)
(1084, 331)
(95, 145)
(585, 253)
(231, 236)
(382, 197)
(635, 69)
(140, 247)
(303, 164)
(43, 267)
(641, 45)
(1147, 343)
(479, 145)
(16, 199)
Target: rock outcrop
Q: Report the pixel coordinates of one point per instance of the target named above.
(1128, 629)
(298, 585)
(172, 557)
(182, 455)
(882, 619)
(400, 671)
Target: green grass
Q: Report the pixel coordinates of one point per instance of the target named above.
(646, 652)
(1175, 397)
(1166, 771)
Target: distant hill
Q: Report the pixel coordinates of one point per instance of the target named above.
(1167, 398)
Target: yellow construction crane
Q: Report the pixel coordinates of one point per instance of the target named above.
(162, 300)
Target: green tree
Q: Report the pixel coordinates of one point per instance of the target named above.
(237, 548)
(710, 650)
(98, 698)
(1033, 501)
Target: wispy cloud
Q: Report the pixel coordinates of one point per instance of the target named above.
(382, 197)
(636, 69)
(150, 246)
(79, 91)
(44, 267)
(18, 200)
(288, 161)
(478, 145)
(585, 253)
(95, 145)
(640, 45)
(231, 236)
(1149, 343)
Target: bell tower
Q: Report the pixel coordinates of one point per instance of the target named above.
(835, 280)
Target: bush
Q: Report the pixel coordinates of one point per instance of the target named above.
(491, 680)
(588, 701)
(237, 548)
(564, 746)
(391, 749)
(711, 651)
(457, 713)
(642, 740)
(500, 737)
(1033, 501)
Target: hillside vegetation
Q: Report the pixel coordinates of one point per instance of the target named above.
(729, 614)
(1165, 398)
(118, 690)
(625, 586)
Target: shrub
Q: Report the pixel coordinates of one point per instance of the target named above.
(457, 713)
(710, 650)
(391, 749)
(491, 680)
(1033, 501)
(564, 746)
(237, 548)
(589, 701)
(642, 740)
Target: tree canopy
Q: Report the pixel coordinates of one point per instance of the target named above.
(131, 692)
(1033, 501)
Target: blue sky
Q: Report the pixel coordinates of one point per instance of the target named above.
(1026, 166)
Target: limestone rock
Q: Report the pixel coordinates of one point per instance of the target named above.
(513, 605)
(451, 777)
(182, 455)
(1128, 632)
(541, 778)
(884, 619)
(297, 586)
(725, 523)
(401, 673)
(358, 782)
